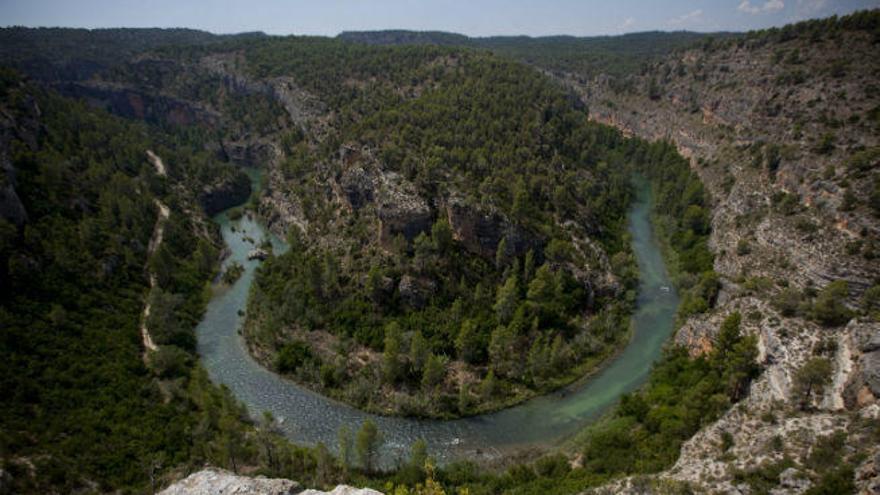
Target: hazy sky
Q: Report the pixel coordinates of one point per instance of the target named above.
(472, 17)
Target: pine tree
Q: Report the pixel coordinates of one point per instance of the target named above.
(543, 287)
(507, 299)
(418, 352)
(345, 447)
(501, 254)
(391, 366)
(368, 441)
(441, 235)
(811, 380)
(468, 342)
(435, 371)
(489, 385)
(529, 267)
(501, 350)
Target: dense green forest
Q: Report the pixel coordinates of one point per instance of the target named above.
(81, 405)
(51, 54)
(453, 124)
(585, 56)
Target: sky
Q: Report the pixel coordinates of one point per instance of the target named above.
(471, 17)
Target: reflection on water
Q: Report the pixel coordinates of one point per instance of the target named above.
(310, 418)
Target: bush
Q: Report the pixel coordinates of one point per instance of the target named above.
(292, 356)
(829, 308)
(169, 362)
(788, 302)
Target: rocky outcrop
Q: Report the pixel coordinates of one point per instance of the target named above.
(127, 101)
(480, 231)
(863, 385)
(21, 124)
(231, 192)
(779, 221)
(300, 105)
(214, 481)
(247, 152)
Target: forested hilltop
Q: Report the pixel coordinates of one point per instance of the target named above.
(451, 214)
(587, 56)
(85, 404)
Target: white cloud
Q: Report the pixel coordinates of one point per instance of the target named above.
(683, 19)
(769, 6)
(627, 23)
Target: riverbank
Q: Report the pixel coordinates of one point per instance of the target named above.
(309, 418)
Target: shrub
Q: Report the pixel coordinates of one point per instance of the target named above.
(292, 356)
(169, 362)
(829, 309)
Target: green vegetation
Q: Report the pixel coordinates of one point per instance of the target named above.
(644, 432)
(583, 56)
(232, 273)
(827, 306)
(82, 407)
(424, 297)
(811, 379)
(682, 218)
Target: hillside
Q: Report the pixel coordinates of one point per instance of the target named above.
(782, 127)
(382, 173)
(586, 56)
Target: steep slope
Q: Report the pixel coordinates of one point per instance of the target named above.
(88, 405)
(782, 126)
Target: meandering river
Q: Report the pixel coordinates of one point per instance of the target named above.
(310, 418)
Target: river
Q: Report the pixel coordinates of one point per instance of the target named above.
(310, 418)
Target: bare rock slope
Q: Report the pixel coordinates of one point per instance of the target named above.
(782, 127)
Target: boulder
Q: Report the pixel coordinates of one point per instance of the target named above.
(400, 209)
(214, 481)
(246, 152)
(870, 367)
(218, 481)
(357, 187)
(794, 480)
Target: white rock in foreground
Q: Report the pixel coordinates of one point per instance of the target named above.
(218, 481)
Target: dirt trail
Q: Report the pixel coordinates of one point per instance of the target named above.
(155, 242)
(157, 162)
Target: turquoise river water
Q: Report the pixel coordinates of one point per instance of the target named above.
(310, 418)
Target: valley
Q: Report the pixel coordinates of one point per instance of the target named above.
(423, 262)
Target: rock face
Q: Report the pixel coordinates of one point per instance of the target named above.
(300, 106)
(220, 482)
(15, 123)
(481, 231)
(753, 136)
(130, 102)
(226, 194)
(247, 152)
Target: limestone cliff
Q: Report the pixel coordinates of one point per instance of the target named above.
(782, 128)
